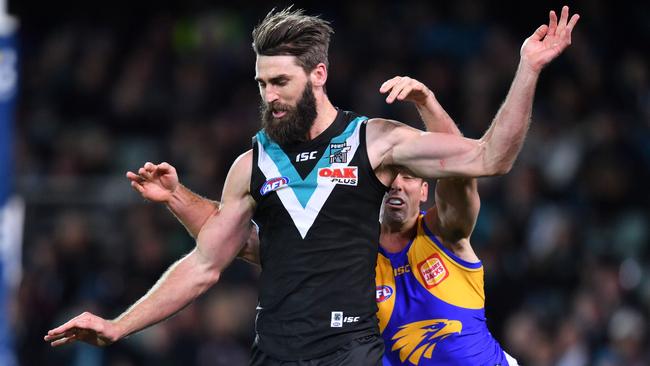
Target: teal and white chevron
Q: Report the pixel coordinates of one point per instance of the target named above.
(304, 198)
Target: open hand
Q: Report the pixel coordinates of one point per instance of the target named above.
(548, 41)
(88, 328)
(155, 183)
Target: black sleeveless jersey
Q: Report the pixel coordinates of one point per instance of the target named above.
(318, 217)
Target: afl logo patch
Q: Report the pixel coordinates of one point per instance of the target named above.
(273, 184)
(383, 293)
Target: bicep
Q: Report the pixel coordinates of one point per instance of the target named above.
(437, 155)
(226, 231)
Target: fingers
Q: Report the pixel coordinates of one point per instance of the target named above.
(573, 21)
(564, 17)
(134, 177)
(138, 187)
(144, 173)
(399, 86)
(84, 321)
(540, 32)
(60, 330)
(387, 85)
(565, 26)
(85, 327)
(405, 92)
(569, 28)
(62, 339)
(552, 23)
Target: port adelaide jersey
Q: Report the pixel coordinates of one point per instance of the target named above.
(318, 216)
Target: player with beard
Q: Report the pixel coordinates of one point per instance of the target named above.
(316, 201)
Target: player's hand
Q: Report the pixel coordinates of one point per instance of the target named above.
(404, 88)
(87, 328)
(548, 41)
(155, 183)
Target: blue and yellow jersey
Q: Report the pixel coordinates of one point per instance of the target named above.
(431, 306)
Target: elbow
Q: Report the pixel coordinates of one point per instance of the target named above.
(211, 277)
(502, 169)
(497, 167)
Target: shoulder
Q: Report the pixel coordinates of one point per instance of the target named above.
(240, 171)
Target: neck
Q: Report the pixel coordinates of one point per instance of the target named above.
(325, 117)
(396, 236)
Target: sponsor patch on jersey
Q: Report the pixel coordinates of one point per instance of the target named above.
(337, 319)
(433, 271)
(339, 153)
(383, 293)
(274, 184)
(346, 175)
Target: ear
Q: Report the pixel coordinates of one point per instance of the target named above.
(318, 75)
(424, 194)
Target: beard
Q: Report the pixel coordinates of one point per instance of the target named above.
(294, 126)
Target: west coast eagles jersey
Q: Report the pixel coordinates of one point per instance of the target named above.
(318, 215)
(431, 307)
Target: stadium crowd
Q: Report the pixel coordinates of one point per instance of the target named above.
(564, 237)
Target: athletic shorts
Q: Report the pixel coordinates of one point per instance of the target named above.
(364, 351)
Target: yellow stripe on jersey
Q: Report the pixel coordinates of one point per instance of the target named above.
(442, 275)
(386, 292)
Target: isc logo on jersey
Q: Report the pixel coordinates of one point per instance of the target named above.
(273, 184)
(347, 175)
(433, 271)
(338, 319)
(383, 293)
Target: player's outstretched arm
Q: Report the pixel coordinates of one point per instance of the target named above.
(505, 136)
(218, 242)
(159, 183)
(436, 155)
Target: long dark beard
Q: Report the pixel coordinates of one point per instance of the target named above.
(294, 126)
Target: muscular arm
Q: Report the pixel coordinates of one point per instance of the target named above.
(436, 155)
(193, 211)
(457, 200)
(218, 241)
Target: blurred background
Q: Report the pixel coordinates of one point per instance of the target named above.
(107, 86)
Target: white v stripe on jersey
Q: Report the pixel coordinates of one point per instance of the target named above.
(303, 218)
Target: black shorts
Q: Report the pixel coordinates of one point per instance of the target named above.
(364, 351)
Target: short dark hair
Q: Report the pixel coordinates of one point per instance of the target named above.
(291, 32)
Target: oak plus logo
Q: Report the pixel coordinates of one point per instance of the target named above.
(347, 175)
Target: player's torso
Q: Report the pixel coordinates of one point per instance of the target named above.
(317, 211)
(431, 307)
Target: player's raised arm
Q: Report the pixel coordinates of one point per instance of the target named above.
(436, 155)
(457, 201)
(218, 242)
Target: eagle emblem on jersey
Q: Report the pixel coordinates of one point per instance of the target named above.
(418, 339)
